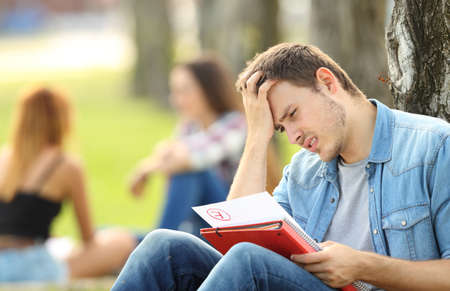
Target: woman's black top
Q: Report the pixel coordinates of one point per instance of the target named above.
(28, 214)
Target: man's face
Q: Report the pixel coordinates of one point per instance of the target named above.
(311, 119)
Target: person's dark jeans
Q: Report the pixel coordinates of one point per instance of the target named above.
(191, 189)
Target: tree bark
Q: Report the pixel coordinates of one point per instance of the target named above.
(352, 33)
(154, 51)
(238, 29)
(417, 41)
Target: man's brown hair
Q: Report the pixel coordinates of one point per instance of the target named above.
(296, 63)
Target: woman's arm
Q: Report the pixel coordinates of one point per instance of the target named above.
(77, 192)
(4, 155)
(169, 157)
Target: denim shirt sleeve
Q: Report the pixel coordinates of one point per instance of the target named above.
(440, 200)
(281, 191)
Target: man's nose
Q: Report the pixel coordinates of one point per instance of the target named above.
(293, 135)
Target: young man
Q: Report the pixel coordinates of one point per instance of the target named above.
(370, 182)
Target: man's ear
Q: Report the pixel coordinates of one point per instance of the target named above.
(325, 77)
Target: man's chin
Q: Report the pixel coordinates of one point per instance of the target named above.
(326, 157)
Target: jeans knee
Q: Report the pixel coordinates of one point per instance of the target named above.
(167, 241)
(155, 240)
(245, 248)
(158, 236)
(246, 252)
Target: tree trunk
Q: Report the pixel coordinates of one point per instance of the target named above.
(238, 29)
(352, 33)
(417, 41)
(153, 36)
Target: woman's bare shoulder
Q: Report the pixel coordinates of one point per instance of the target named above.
(71, 175)
(5, 154)
(72, 165)
(5, 151)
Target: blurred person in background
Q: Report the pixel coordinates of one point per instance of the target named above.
(36, 177)
(201, 159)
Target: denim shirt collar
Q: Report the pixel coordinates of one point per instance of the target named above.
(382, 141)
(383, 136)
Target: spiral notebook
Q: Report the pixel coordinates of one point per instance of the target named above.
(258, 219)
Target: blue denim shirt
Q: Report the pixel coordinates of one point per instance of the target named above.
(409, 187)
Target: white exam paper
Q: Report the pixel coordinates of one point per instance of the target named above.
(255, 208)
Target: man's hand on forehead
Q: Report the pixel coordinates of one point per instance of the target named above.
(249, 81)
(252, 83)
(266, 86)
(243, 79)
(256, 104)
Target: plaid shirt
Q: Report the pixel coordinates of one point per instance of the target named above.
(217, 147)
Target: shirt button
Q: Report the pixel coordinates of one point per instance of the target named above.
(332, 200)
(371, 190)
(375, 231)
(403, 222)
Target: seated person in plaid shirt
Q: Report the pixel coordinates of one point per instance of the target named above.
(201, 159)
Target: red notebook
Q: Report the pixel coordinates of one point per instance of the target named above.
(277, 236)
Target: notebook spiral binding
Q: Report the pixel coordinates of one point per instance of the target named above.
(292, 223)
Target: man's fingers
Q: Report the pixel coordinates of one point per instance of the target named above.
(243, 79)
(315, 268)
(326, 244)
(265, 87)
(251, 82)
(249, 85)
(311, 258)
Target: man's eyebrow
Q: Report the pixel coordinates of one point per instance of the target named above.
(286, 112)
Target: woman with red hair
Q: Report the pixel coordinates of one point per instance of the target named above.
(36, 177)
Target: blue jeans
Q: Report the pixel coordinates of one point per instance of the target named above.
(191, 189)
(32, 263)
(172, 260)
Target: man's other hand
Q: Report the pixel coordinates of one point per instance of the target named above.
(336, 265)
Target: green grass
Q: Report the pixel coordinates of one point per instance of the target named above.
(113, 130)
